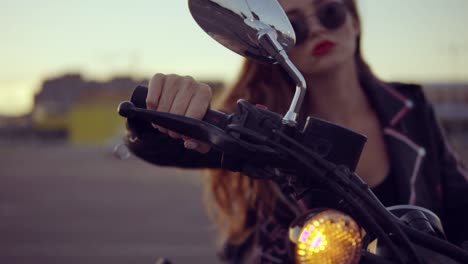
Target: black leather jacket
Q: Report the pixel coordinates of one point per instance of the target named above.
(428, 173)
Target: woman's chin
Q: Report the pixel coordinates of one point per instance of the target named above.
(324, 66)
(322, 70)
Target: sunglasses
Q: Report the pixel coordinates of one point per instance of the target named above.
(331, 16)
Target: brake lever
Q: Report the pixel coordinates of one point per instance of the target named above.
(198, 129)
(190, 127)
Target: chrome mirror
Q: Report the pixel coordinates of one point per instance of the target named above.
(256, 29)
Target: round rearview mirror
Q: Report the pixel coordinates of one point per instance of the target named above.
(236, 24)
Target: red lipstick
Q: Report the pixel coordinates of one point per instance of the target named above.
(323, 48)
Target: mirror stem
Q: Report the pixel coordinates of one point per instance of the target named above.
(267, 39)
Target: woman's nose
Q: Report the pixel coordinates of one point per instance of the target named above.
(314, 26)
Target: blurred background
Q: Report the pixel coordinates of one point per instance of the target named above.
(70, 194)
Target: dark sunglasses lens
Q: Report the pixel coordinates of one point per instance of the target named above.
(300, 30)
(332, 15)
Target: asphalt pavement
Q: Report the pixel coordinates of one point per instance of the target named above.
(62, 204)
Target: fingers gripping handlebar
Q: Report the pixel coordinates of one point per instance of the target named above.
(241, 133)
(212, 117)
(213, 129)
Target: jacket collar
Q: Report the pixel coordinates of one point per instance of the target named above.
(392, 108)
(391, 105)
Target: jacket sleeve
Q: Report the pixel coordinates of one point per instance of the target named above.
(454, 185)
(158, 148)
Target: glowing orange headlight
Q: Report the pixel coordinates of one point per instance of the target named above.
(328, 236)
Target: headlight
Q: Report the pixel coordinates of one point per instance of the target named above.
(326, 236)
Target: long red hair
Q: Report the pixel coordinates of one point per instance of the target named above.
(229, 196)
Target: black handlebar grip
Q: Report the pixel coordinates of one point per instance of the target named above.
(213, 117)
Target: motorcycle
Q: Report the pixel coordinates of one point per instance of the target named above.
(347, 224)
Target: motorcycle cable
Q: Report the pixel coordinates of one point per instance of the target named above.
(332, 184)
(356, 206)
(418, 237)
(346, 180)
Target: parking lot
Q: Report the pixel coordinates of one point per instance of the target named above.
(61, 204)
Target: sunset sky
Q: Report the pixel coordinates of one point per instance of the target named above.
(408, 40)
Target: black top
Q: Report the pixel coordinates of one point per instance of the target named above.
(386, 191)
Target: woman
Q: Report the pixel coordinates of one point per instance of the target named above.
(405, 161)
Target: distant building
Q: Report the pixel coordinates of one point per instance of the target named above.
(15, 127)
(447, 93)
(451, 107)
(450, 101)
(84, 111)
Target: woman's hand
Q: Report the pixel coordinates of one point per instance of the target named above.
(180, 95)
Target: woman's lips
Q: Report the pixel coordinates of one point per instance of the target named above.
(323, 48)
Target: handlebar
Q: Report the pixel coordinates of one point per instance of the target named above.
(332, 142)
